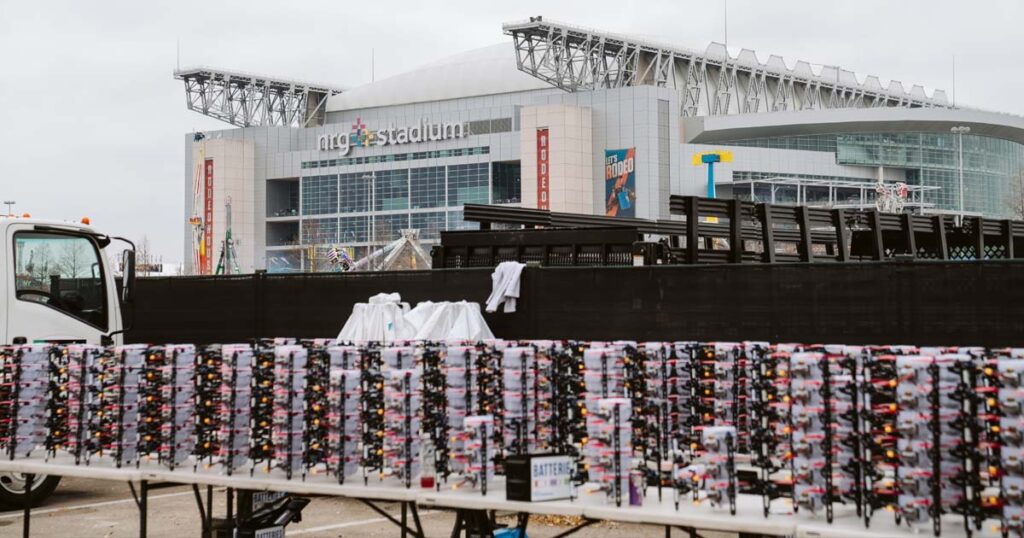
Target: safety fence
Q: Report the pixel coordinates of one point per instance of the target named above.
(931, 303)
(719, 231)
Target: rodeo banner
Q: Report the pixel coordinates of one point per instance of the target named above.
(620, 182)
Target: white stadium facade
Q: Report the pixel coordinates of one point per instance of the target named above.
(572, 120)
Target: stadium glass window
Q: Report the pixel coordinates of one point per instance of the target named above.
(506, 187)
(468, 184)
(391, 190)
(426, 187)
(289, 261)
(319, 195)
(429, 224)
(480, 127)
(319, 231)
(501, 125)
(396, 157)
(353, 230)
(387, 228)
(354, 192)
(456, 222)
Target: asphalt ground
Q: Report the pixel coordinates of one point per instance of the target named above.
(84, 508)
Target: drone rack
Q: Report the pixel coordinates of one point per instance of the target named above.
(372, 412)
(289, 426)
(234, 427)
(435, 412)
(57, 410)
(177, 424)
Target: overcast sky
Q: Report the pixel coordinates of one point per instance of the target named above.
(92, 122)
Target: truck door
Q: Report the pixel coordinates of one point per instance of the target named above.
(4, 270)
(56, 286)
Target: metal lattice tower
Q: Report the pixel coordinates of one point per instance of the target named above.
(710, 83)
(247, 100)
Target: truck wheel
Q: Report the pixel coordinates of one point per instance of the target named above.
(12, 489)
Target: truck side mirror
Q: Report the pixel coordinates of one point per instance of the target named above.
(127, 276)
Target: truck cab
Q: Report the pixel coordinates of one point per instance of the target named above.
(56, 285)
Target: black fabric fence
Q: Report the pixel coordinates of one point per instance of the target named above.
(923, 303)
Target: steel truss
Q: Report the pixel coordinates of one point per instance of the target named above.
(866, 192)
(247, 100)
(709, 83)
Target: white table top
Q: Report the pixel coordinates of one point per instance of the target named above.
(846, 524)
(749, 516)
(473, 499)
(100, 468)
(67, 467)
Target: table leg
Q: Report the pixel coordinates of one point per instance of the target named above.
(416, 520)
(523, 522)
(202, 513)
(231, 509)
(29, 478)
(457, 529)
(143, 507)
(209, 509)
(405, 518)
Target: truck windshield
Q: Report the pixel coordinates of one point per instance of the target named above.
(62, 271)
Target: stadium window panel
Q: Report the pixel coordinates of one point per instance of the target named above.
(389, 227)
(456, 222)
(391, 190)
(353, 230)
(468, 184)
(395, 157)
(354, 192)
(429, 224)
(507, 187)
(501, 125)
(319, 195)
(289, 261)
(319, 231)
(426, 187)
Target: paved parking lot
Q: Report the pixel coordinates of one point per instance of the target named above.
(84, 508)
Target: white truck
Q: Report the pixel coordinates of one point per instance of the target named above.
(57, 286)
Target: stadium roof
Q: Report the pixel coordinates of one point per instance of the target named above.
(484, 71)
(554, 57)
(718, 129)
(712, 83)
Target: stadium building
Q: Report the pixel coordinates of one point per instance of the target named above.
(572, 120)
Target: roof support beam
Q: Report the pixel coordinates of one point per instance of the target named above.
(578, 59)
(246, 100)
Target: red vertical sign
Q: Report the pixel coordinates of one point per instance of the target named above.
(208, 219)
(543, 189)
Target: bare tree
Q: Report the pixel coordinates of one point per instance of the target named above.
(1015, 203)
(39, 267)
(143, 255)
(73, 260)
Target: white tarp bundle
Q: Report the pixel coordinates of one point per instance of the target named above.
(381, 319)
(385, 318)
(459, 320)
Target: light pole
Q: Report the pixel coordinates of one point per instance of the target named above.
(960, 131)
(372, 178)
(9, 204)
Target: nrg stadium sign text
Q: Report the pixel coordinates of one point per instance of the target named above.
(363, 137)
